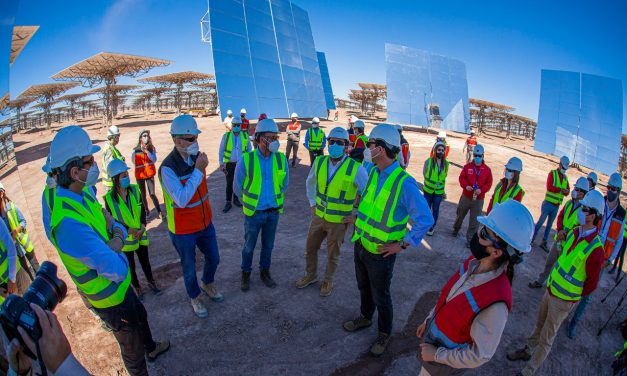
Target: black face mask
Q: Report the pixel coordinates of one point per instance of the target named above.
(439, 155)
(478, 251)
(611, 196)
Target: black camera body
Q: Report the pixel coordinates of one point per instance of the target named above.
(46, 290)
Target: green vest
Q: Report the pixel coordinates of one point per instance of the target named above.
(252, 182)
(131, 218)
(315, 141)
(362, 137)
(556, 198)
(375, 224)
(510, 194)
(569, 273)
(570, 221)
(22, 237)
(115, 154)
(434, 180)
(228, 148)
(335, 198)
(99, 291)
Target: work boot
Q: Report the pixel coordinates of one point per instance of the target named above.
(294, 162)
(326, 288)
(535, 285)
(153, 287)
(162, 346)
(267, 279)
(236, 202)
(245, 284)
(305, 281)
(227, 207)
(379, 346)
(572, 329)
(430, 232)
(199, 309)
(212, 291)
(520, 354)
(544, 247)
(357, 324)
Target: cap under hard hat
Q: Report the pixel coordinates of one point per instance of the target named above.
(116, 167)
(315, 120)
(386, 132)
(616, 181)
(69, 143)
(582, 183)
(512, 222)
(442, 134)
(184, 124)
(338, 132)
(514, 164)
(595, 200)
(242, 111)
(565, 162)
(359, 124)
(267, 125)
(294, 115)
(113, 131)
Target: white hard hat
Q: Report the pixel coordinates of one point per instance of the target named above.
(478, 150)
(113, 131)
(514, 164)
(242, 111)
(315, 120)
(616, 181)
(1, 187)
(565, 162)
(512, 222)
(472, 132)
(294, 115)
(386, 132)
(236, 120)
(338, 132)
(359, 124)
(354, 118)
(267, 125)
(595, 200)
(229, 112)
(69, 143)
(582, 183)
(184, 124)
(593, 176)
(442, 134)
(116, 167)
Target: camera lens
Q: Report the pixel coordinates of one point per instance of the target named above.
(47, 290)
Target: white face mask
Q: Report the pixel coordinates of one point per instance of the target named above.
(315, 125)
(509, 175)
(367, 155)
(274, 146)
(192, 149)
(51, 182)
(574, 195)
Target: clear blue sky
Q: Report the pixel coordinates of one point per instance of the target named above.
(504, 45)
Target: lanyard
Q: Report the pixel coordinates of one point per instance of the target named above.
(477, 173)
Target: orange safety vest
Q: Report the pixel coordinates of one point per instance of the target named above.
(293, 126)
(472, 140)
(615, 231)
(144, 167)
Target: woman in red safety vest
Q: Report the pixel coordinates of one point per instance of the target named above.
(465, 327)
(144, 158)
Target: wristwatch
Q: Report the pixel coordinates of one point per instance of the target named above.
(403, 244)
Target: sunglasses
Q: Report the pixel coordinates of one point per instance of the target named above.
(588, 210)
(579, 190)
(371, 143)
(483, 234)
(188, 139)
(337, 142)
(478, 155)
(271, 138)
(90, 161)
(613, 189)
(508, 170)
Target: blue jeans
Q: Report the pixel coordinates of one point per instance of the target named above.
(186, 245)
(434, 201)
(548, 210)
(266, 222)
(582, 305)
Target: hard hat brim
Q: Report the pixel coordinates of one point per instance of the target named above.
(484, 220)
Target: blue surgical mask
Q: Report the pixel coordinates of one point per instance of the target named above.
(125, 182)
(92, 175)
(509, 175)
(581, 217)
(193, 149)
(274, 146)
(478, 160)
(237, 128)
(336, 151)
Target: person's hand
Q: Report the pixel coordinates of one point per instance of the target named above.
(444, 196)
(469, 188)
(478, 191)
(108, 218)
(390, 249)
(427, 352)
(349, 219)
(116, 244)
(53, 343)
(421, 329)
(134, 233)
(18, 360)
(202, 161)
(11, 287)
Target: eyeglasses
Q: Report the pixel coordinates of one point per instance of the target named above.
(613, 189)
(478, 155)
(508, 170)
(188, 139)
(588, 210)
(89, 161)
(371, 143)
(271, 138)
(486, 236)
(579, 190)
(337, 142)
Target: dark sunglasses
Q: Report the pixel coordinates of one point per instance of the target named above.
(478, 155)
(337, 142)
(508, 170)
(588, 210)
(271, 138)
(613, 189)
(579, 190)
(486, 236)
(188, 139)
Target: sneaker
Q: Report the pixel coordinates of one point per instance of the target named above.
(535, 285)
(162, 346)
(430, 232)
(212, 291)
(544, 247)
(236, 202)
(379, 346)
(227, 207)
(245, 283)
(326, 288)
(357, 324)
(153, 287)
(305, 281)
(267, 279)
(520, 354)
(199, 309)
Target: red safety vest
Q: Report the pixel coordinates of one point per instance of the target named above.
(144, 167)
(453, 319)
(472, 140)
(245, 124)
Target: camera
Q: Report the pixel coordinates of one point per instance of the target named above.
(46, 290)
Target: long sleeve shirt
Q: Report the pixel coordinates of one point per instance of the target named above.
(179, 193)
(315, 131)
(80, 241)
(9, 246)
(267, 198)
(361, 179)
(476, 177)
(412, 203)
(236, 153)
(293, 131)
(152, 155)
(20, 217)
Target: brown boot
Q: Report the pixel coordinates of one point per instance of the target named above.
(326, 288)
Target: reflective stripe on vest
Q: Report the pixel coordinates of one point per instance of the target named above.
(192, 217)
(556, 198)
(115, 154)
(251, 191)
(228, 148)
(22, 237)
(99, 291)
(144, 167)
(375, 224)
(510, 194)
(335, 198)
(615, 231)
(363, 138)
(435, 181)
(315, 140)
(130, 218)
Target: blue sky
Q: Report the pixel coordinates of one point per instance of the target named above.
(504, 45)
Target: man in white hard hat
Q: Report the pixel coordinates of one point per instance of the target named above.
(261, 179)
(89, 246)
(233, 145)
(469, 146)
(593, 179)
(183, 176)
(465, 327)
(556, 188)
(611, 235)
(333, 184)
(245, 122)
(110, 152)
(508, 188)
(390, 200)
(227, 120)
(566, 221)
(315, 140)
(293, 138)
(575, 275)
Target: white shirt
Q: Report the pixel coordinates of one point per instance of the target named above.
(179, 193)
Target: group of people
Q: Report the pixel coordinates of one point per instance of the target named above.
(361, 180)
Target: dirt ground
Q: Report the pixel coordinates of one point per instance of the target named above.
(286, 331)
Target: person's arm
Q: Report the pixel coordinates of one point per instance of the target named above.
(180, 194)
(486, 331)
(311, 187)
(463, 179)
(549, 184)
(424, 168)
(618, 244)
(221, 150)
(307, 138)
(152, 155)
(20, 218)
(324, 139)
(418, 210)
(559, 226)
(107, 156)
(45, 215)
(594, 264)
(9, 245)
(239, 177)
(286, 180)
(519, 196)
(361, 179)
(487, 183)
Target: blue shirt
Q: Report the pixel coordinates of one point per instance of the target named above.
(267, 199)
(315, 131)
(80, 241)
(410, 202)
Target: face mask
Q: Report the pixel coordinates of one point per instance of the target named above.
(574, 195)
(315, 125)
(125, 182)
(51, 182)
(145, 139)
(367, 155)
(336, 151)
(478, 160)
(92, 175)
(439, 155)
(478, 250)
(236, 129)
(274, 146)
(563, 171)
(509, 175)
(192, 149)
(611, 196)
(581, 217)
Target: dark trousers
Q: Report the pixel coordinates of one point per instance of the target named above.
(129, 323)
(144, 261)
(313, 154)
(434, 201)
(230, 174)
(151, 189)
(374, 276)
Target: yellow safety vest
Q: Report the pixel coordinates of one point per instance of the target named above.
(252, 182)
(129, 217)
(228, 148)
(510, 194)
(435, 180)
(315, 140)
(335, 198)
(22, 237)
(556, 198)
(115, 153)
